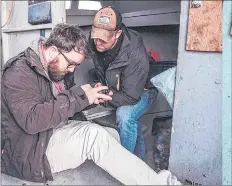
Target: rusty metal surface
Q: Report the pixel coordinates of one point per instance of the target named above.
(205, 27)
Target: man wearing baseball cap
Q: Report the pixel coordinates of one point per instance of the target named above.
(121, 59)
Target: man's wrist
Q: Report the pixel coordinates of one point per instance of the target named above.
(80, 95)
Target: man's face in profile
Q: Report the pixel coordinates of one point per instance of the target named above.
(64, 63)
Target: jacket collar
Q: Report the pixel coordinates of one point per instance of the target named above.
(31, 58)
(122, 57)
(35, 62)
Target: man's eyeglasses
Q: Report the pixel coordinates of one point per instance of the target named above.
(70, 62)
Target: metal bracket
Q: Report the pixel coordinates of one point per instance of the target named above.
(196, 4)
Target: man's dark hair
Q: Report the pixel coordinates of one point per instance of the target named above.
(67, 37)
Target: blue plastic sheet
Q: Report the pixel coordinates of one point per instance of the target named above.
(165, 82)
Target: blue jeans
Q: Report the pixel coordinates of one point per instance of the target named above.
(131, 134)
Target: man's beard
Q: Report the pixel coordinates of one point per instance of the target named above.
(54, 73)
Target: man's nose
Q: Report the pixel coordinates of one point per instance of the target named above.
(71, 69)
(98, 42)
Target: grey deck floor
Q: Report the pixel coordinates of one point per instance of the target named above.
(87, 174)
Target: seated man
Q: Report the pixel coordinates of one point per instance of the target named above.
(121, 58)
(38, 98)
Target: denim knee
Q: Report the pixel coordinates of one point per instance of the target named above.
(123, 114)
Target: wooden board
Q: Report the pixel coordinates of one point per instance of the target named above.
(205, 27)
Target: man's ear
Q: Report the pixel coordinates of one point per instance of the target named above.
(53, 52)
(119, 32)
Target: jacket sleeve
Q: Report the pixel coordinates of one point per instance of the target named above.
(22, 92)
(133, 81)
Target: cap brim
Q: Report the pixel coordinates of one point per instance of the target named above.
(102, 34)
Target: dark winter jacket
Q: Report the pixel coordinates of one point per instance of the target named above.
(127, 74)
(29, 113)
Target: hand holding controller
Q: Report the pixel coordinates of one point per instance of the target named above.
(94, 94)
(105, 91)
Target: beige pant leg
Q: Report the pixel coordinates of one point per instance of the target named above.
(72, 144)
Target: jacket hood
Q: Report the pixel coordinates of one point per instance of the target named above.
(131, 42)
(34, 51)
(31, 56)
(135, 39)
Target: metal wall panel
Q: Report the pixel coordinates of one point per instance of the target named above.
(196, 145)
(227, 95)
(18, 33)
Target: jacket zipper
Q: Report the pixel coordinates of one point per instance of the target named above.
(118, 82)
